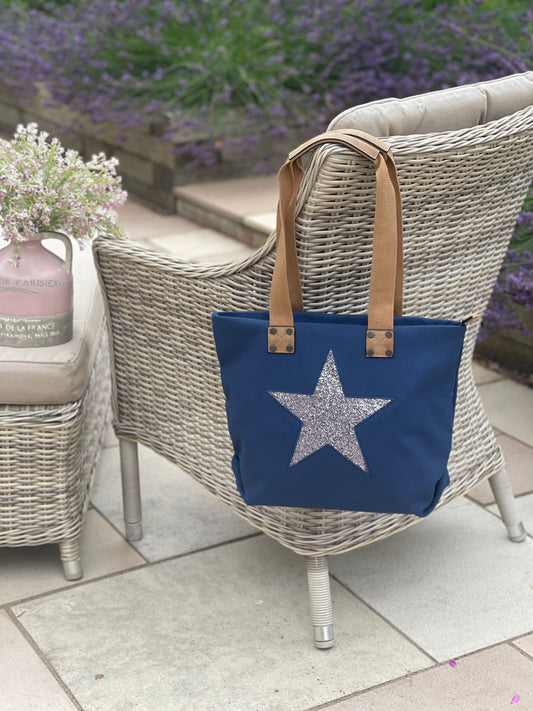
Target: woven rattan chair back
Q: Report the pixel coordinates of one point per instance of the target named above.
(462, 192)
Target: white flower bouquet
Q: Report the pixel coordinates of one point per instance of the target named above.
(45, 188)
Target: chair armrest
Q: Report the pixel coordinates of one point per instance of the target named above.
(139, 253)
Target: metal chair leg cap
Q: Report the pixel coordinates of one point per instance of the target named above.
(134, 531)
(325, 645)
(517, 533)
(324, 636)
(72, 569)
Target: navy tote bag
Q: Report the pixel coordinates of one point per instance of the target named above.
(340, 411)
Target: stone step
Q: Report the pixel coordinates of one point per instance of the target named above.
(175, 235)
(242, 208)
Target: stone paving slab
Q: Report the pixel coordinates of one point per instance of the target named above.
(140, 222)
(525, 509)
(226, 628)
(509, 407)
(525, 644)
(484, 375)
(519, 465)
(25, 682)
(234, 198)
(453, 584)
(201, 244)
(179, 515)
(263, 221)
(26, 572)
(243, 208)
(485, 681)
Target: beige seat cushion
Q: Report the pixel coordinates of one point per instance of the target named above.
(55, 375)
(445, 110)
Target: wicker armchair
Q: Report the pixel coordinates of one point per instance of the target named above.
(462, 190)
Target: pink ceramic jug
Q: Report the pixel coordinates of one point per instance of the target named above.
(36, 295)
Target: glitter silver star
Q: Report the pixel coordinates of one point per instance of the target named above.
(329, 417)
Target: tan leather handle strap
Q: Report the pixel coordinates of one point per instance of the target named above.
(398, 292)
(386, 275)
(358, 140)
(383, 146)
(286, 278)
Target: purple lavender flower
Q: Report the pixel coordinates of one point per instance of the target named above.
(290, 64)
(512, 297)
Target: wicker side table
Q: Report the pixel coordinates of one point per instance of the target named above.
(49, 447)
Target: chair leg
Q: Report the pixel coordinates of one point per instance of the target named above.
(69, 552)
(501, 488)
(131, 490)
(320, 599)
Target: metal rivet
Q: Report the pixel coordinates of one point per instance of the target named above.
(288, 331)
(272, 349)
(273, 331)
(290, 349)
(389, 334)
(370, 334)
(370, 352)
(388, 353)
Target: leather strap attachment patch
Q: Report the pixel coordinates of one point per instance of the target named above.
(379, 343)
(281, 339)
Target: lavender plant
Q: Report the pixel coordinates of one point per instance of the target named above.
(44, 188)
(512, 298)
(511, 303)
(279, 64)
